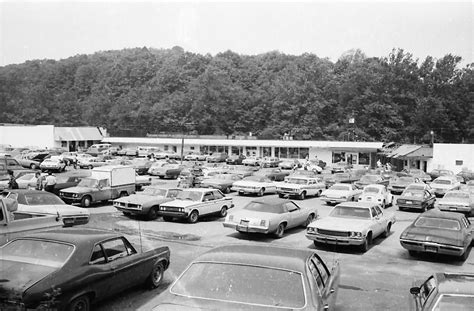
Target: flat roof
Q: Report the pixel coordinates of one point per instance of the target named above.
(246, 142)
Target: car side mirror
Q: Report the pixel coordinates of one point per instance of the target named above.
(415, 291)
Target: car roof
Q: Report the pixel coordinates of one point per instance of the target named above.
(455, 283)
(441, 214)
(270, 256)
(375, 186)
(358, 204)
(199, 189)
(74, 235)
(271, 200)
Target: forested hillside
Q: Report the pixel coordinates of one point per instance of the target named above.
(133, 92)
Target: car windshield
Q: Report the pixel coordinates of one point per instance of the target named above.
(350, 212)
(88, 182)
(298, 181)
(37, 252)
(454, 302)
(371, 190)
(26, 177)
(341, 175)
(254, 178)
(442, 182)
(369, 178)
(244, 284)
(441, 223)
(340, 187)
(406, 179)
(154, 191)
(264, 208)
(413, 193)
(42, 198)
(456, 195)
(189, 195)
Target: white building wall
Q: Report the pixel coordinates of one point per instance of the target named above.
(41, 136)
(449, 156)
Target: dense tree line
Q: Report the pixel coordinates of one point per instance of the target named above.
(133, 92)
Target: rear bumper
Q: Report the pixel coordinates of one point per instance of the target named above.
(431, 247)
(455, 208)
(249, 229)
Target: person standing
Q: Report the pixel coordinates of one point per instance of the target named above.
(50, 182)
(12, 184)
(39, 181)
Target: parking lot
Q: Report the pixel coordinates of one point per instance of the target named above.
(376, 280)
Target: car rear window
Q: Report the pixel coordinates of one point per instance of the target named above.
(430, 222)
(245, 284)
(454, 302)
(265, 208)
(350, 212)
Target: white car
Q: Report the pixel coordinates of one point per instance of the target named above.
(341, 192)
(300, 186)
(26, 181)
(55, 163)
(444, 184)
(376, 193)
(254, 161)
(194, 203)
(254, 184)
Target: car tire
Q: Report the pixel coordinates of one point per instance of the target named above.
(156, 275)
(261, 192)
(153, 213)
(280, 231)
(412, 253)
(223, 211)
(226, 190)
(281, 195)
(302, 196)
(193, 217)
(33, 166)
(90, 167)
(386, 233)
(127, 214)
(86, 201)
(309, 220)
(367, 241)
(167, 218)
(81, 303)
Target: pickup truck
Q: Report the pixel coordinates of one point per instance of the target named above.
(14, 223)
(300, 186)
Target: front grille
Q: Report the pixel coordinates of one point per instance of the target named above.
(67, 195)
(333, 233)
(286, 189)
(170, 209)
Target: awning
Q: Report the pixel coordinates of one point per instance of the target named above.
(403, 150)
(423, 152)
(77, 134)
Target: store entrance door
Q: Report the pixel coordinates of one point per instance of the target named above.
(352, 158)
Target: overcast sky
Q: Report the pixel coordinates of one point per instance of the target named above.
(56, 30)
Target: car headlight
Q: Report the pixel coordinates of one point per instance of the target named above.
(75, 195)
(354, 234)
(263, 223)
(311, 230)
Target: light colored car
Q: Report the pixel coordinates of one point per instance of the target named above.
(457, 201)
(165, 170)
(223, 182)
(91, 163)
(43, 202)
(195, 156)
(289, 164)
(26, 181)
(258, 185)
(194, 203)
(253, 161)
(340, 192)
(377, 193)
(352, 223)
(53, 163)
(270, 162)
(270, 216)
(146, 202)
(445, 183)
(398, 184)
(300, 186)
(32, 159)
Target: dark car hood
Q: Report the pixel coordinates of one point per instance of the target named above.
(434, 235)
(18, 276)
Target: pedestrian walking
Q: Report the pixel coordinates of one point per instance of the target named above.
(12, 184)
(39, 181)
(50, 182)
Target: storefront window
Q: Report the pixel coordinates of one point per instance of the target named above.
(364, 158)
(251, 151)
(304, 152)
(266, 151)
(236, 150)
(293, 153)
(281, 153)
(221, 149)
(338, 156)
(204, 149)
(212, 149)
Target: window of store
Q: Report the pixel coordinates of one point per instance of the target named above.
(221, 149)
(281, 152)
(364, 158)
(293, 153)
(266, 151)
(304, 152)
(204, 149)
(212, 149)
(236, 150)
(251, 151)
(338, 156)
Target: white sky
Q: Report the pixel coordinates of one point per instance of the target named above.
(59, 29)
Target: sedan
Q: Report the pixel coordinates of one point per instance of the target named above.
(253, 277)
(254, 161)
(235, 159)
(275, 174)
(270, 216)
(270, 162)
(223, 182)
(371, 179)
(254, 185)
(69, 269)
(378, 194)
(53, 164)
(339, 193)
(91, 163)
(416, 196)
(43, 202)
(438, 232)
(398, 184)
(457, 201)
(443, 184)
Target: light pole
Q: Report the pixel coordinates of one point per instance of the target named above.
(432, 138)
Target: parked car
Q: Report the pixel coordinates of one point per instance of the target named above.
(147, 202)
(345, 178)
(90, 163)
(270, 216)
(340, 167)
(376, 193)
(258, 185)
(165, 170)
(75, 268)
(466, 175)
(369, 179)
(53, 163)
(270, 162)
(420, 174)
(141, 165)
(301, 187)
(217, 157)
(398, 184)
(235, 159)
(31, 160)
(25, 181)
(195, 156)
(194, 203)
(68, 157)
(43, 202)
(444, 291)
(253, 161)
(443, 184)
(439, 172)
(352, 223)
(253, 277)
(340, 192)
(223, 182)
(469, 187)
(289, 164)
(416, 196)
(274, 174)
(457, 201)
(167, 154)
(438, 232)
